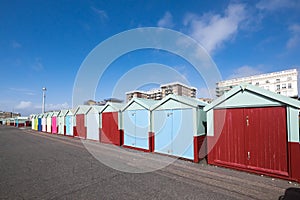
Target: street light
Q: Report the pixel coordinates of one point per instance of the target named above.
(44, 97)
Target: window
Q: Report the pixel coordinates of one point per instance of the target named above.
(289, 78)
(278, 92)
(257, 83)
(267, 81)
(284, 86)
(277, 80)
(289, 85)
(277, 87)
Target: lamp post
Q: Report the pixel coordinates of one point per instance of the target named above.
(44, 97)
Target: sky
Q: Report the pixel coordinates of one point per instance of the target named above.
(44, 44)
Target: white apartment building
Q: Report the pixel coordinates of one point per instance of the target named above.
(282, 82)
(165, 89)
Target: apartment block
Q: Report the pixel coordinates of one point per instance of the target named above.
(282, 82)
(165, 89)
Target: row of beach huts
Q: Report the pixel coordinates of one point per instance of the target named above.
(248, 128)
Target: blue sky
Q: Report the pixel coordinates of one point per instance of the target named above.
(43, 43)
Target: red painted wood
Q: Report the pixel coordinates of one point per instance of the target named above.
(121, 137)
(199, 148)
(75, 134)
(294, 153)
(80, 126)
(266, 139)
(110, 131)
(151, 141)
(264, 136)
(229, 147)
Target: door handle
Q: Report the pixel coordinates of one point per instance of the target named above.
(248, 154)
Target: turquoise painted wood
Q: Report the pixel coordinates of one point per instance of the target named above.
(129, 128)
(136, 125)
(69, 125)
(182, 141)
(163, 135)
(174, 132)
(142, 124)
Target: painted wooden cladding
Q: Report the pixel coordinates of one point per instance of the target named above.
(49, 124)
(174, 132)
(69, 125)
(92, 127)
(136, 126)
(54, 124)
(36, 123)
(44, 124)
(32, 123)
(80, 126)
(61, 125)
(251, 138)
(265, 132)
(39, 124)
(110, 132)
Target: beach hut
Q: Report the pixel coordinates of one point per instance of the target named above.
(16, 120)
(40, 122)
(136, 122)
(22, 121)
(36, 122)
(61, 122)
(54, 128)
(12, 121)
(70, 121)
(254, 130)
(111, 131)
(49, 122)
(179, 126)
(79, 113)
(32, 118)
(92, 122)
(44, 122)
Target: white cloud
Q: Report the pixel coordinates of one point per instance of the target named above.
(245, 71)
(166, 21)
(101, 13)
(273, 5)
(38, 65)
(16, 45)
(52, 107)
(213, 30)
(23, 91)
(23, 105)
(294, 40)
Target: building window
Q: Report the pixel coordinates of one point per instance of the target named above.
(257, 83)
(278, 92)
(284, 86)
(277, 80)
(277, 87)
(267, 81)
(289, 78)
(289, 85)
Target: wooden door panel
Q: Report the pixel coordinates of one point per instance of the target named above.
(266, 139)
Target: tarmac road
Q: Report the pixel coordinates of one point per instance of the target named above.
(35, 165)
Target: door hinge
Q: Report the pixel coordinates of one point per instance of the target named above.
(247, 120)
